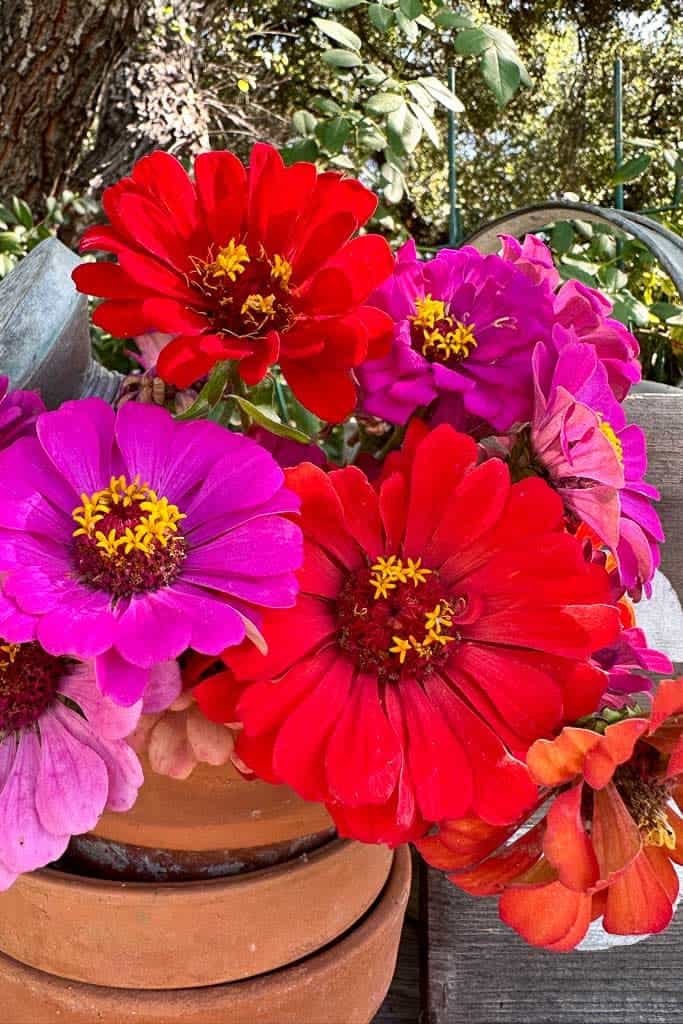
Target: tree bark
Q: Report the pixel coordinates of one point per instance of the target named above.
(56, 56)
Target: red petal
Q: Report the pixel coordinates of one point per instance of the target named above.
(222, 189)
(265, 352)
(286, 199)
(492, 875)
(257, 754)
(265, 705)
(104, 238)
(289, 634)
(615, 836)
(217, 697)
(153, 231)
(330, 394)
(546, 915)
(320, 242)
(361, 509)
(122, 319)
(300, 748)
(393, 506)
(474, 508)
(349, 278)
(573, 632)
(363, 755)
(637, 902)
(319, 575)
(322, 514)
(567, 844)
(154, 276)
(376, 823)
(379, 328)
(182, 362)
(108, 281)
(166, 181)
(173, 317)
(438, 466)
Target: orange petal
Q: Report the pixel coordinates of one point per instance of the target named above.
(667, 701)
(552, 762)
(616, 839)
(615, 747)
(467, 841)
(497, 871)
(638, 903)
(567, 844)
(676, 823)
(577, 932)
(545, 916)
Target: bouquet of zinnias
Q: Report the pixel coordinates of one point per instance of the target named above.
(409, 595)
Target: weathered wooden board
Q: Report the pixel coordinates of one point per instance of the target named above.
(480, 972)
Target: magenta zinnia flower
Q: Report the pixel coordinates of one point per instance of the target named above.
(533, 257)
(18, 413)
(586, 311)
(580, 440)
(129, 538)
(466, 325)
(63, 756)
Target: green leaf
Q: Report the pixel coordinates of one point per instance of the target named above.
(421, 96)
(258, 415)
(425, 22)
(217, 382)
(370, 137)
(338, 5)
(324, 105)
(380, 17)
(22, 211)
(384, 102)
(342, 35)
(425, 120)
(631, 169)
(408, 26)
(607, 247)
(443, 95)
(614, 278)
(305, 149)
(472, 40)
(501, 74)
(341, 58)
(666, 310)
(333, 134)
(449, 19)
(304, 122)
(406, 127)
(9, 242)
(562, 237)
(584, 228)
(411, 8)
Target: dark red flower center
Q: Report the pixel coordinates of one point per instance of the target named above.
(29, 679)
(437, 335)
(127, 540)
(394, 618)
(249, 293)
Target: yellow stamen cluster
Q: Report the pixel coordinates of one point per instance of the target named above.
(608, 431)
(257, 308)
(444, 337)
(661, 833)
(435, 621)
(155, 527)
(386, 573)
(281, 270)
(8, 654)
(231, 261)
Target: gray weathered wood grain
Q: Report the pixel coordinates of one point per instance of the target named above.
(480, 972)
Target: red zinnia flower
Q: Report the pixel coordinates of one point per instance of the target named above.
(256, 265)
(606, 845)
(443, 624)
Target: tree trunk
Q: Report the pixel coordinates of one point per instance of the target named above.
(56, 56)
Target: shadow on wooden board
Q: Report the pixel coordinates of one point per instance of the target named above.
(477, 970)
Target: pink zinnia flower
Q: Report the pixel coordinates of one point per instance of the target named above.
(18, 413)
(580, 440)
(533, 257)
(63, 756)
(129, 538)
(586, 311)
(466, 325)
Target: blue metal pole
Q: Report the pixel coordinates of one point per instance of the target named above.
(454, 226)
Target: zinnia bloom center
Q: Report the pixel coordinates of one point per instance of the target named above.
(29, 678)
(437, 335)
(608, 431)
(248, 294)
(127, 540)
(647, 799)
(393, 617)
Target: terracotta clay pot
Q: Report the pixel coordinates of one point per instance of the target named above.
(189, 934)
(344, 984)
(213, 824)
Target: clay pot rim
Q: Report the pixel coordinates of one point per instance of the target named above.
(54, 878)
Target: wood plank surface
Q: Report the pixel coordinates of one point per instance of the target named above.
(480, 972)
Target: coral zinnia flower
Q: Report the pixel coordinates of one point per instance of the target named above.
(605, 847)
(129, 538)
(580, 440)
(63, 756)
(18, 413)
(256, 265)
(466, 325)
(444, 623)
